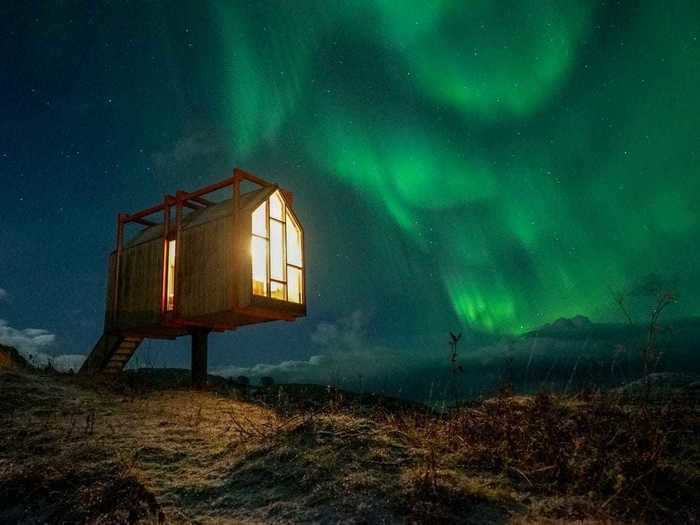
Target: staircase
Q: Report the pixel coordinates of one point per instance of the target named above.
(110, 354)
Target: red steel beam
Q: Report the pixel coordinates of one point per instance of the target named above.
(208, 189)
(238, 172)
(289, 196)
(164, 282)
(120, 241)
(144, 213)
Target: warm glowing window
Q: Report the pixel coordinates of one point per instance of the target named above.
(277, 252)
(294, 277)
(276, 206)
(260, 221)
(170, 278)
(278, 290)
(259, 256)
(293, 242)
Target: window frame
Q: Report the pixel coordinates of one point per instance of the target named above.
(297, 225)
(266, 205)
(284, 282)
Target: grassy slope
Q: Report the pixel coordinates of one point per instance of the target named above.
(73, 451)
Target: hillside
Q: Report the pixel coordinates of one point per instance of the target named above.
(72, 451)
(11, 358)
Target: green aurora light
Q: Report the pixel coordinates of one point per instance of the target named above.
(533, 175)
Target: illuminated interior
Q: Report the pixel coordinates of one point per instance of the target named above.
(170, 278)
(276, 249)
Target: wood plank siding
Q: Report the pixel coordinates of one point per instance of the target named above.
(205, 269)
(140, 284)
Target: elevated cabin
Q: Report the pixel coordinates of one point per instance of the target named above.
(197, 265)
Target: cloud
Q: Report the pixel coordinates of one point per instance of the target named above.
(65, 362)
(27, 340)
(344, 356)
(33, 344)
(202, 151)
(185, 149)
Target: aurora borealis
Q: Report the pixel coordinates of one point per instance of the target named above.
(490, 166)
(533, 155)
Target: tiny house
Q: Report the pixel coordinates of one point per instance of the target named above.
(196, 265)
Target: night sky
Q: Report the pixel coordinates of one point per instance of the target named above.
(488, 168)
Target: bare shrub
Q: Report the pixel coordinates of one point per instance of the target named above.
(662, 296)
(616, 454)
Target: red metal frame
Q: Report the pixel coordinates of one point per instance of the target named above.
(194, 200)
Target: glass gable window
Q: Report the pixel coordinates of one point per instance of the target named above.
(259, 255)
(276, 251)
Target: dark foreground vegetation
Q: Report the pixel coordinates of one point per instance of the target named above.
(128, 452)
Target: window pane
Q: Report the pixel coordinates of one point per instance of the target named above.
(293, 242)
(259, 221)
(277, 290)
(276, 206)
(259, 260)
(294, 281)
(277, 250)
(170, 277)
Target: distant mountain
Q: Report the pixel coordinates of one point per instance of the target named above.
(579, 327)
(564, 327)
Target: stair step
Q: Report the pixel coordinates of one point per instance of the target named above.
(111, 353)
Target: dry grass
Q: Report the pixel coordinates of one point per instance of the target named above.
(597, 459)
(74, 452)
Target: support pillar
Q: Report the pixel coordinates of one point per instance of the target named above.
(199, 357)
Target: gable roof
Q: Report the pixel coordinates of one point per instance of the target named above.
(248, 200)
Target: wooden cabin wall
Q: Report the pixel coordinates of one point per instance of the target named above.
(140, 284)
(205, 269)
(109, 301)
